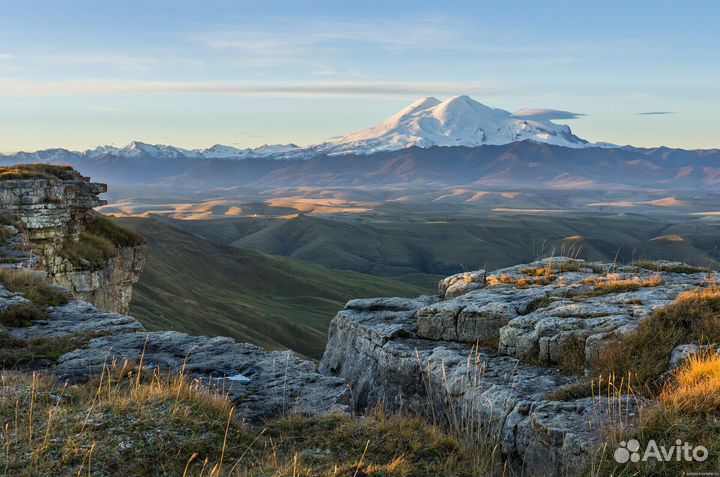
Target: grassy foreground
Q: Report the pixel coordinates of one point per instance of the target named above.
(158, 425)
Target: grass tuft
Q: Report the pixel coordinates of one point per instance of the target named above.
(33, 286)
(99, 242)
(614, 284)
(156, 424)
(14, 352)
(21, 315)
(671, 267)
(643, 354)
(38, 171)
(688, 410)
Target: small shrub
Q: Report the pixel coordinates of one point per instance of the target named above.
(21, 315)
(15, 352)
(33, 286)
(98, 242)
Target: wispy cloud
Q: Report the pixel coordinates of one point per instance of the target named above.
(657, 113)
(6, 56)
(317, 89)
(546, 114)
(119, 61)
(284, 41)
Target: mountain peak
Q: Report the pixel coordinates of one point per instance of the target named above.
(457, 121)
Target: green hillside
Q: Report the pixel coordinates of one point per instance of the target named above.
(197, 286)
(420, 248)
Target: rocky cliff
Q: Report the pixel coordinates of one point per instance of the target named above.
(53, 208)
(502, 351)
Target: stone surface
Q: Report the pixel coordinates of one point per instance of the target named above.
(461, 283)
(52, 212)
(428, 354)
(681, 353)
(77, 318)
(385, 362)
(264, 384)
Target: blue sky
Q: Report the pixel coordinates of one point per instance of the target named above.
(193, 73)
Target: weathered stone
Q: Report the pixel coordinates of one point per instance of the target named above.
(682, 352)
(264, 384)
(420, 355)
(461, 283)
(53, 212)
(77, 318)
(477, 387)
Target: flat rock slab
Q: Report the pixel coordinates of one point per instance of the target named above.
(264, 384)
(77, 318)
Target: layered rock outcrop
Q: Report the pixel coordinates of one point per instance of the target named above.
(484, 354)
(52, 210)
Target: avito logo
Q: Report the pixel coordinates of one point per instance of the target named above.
(682, 451)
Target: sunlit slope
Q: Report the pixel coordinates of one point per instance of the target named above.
(191, 284)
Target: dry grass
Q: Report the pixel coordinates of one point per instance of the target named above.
(33, 286)
(669, 267)
(696, 387)
(694, 317)
(36, 288)
(16, 353)
(127, 423)
(688, 410)
(615, 284)
(520, 282)
(21, 315)
(38, 171)
(98, 242)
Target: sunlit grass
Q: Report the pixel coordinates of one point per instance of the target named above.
(133, 422)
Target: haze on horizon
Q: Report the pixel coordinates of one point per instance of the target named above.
(193, 74)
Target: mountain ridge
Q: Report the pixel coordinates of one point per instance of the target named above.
(457, 121)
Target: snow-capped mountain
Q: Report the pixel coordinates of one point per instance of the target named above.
(459, 121)
(137, 149)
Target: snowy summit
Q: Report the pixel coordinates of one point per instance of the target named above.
(458, 121)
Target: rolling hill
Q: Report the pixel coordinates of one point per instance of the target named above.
(422, 247)
(193, 285)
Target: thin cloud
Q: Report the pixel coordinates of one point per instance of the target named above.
(6, 56)
(546, 114)
(317, 89)
(657, 113)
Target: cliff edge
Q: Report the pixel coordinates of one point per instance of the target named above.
(56, 230)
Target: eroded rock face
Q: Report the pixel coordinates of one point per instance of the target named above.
(50, 213)
(51, 210)
(427, 354)
(110, 287)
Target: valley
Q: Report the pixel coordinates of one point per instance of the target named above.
(275, 273)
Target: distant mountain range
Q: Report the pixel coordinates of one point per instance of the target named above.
(455, 142)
